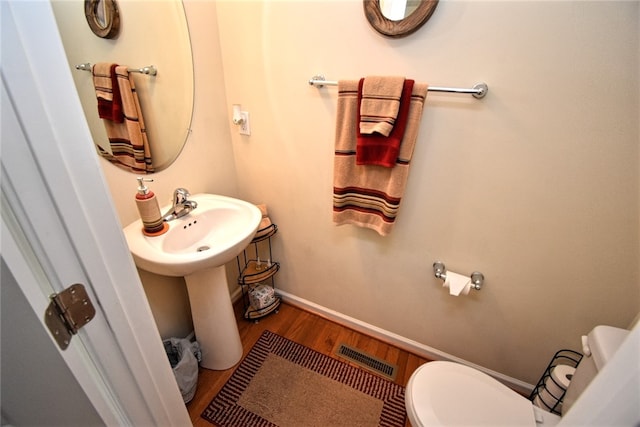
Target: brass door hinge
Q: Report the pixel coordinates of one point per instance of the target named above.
(68, 311)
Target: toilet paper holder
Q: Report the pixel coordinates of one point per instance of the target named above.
(440, 271)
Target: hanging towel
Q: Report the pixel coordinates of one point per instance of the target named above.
(380, 104)
(376, 149)
(365, 195)
(128, 139)
(107, 92)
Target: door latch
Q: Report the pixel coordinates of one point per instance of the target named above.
(68, 311)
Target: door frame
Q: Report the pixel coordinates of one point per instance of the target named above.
(60, 227)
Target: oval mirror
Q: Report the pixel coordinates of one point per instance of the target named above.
(102, 17)
(398, 18)
(166, 100)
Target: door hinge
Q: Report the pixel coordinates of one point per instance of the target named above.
(68, 311)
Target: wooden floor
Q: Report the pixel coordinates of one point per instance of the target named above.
(307, 329)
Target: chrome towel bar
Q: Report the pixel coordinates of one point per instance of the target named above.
(150, 70)
(477, 91)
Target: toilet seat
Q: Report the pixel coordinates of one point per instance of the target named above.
(447, 393)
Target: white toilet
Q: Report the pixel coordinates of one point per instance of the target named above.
(451, 394)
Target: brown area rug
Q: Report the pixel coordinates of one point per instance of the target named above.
(282, 383)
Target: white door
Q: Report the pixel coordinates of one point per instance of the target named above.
(38, 388)
(59, 228)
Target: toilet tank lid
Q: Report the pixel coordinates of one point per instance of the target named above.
(604, 341)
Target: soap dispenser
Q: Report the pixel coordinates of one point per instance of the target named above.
(149, 210)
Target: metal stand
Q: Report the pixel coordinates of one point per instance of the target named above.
(258, 271)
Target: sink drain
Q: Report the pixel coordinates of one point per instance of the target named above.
(203, 248)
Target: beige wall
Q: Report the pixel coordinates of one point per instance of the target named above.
(536, 185)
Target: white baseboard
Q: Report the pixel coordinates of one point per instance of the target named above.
(401, 342)
(235, 295)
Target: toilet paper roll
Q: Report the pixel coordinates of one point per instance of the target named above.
(555, 385)
(562, 375)
(550, 406)
(540, 404)
(458, 284)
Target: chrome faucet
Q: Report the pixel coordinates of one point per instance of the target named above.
(181, 205)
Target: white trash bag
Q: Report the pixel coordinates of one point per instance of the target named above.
(184, 356)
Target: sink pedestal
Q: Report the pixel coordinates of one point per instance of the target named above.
(196, 247)
(213, 318)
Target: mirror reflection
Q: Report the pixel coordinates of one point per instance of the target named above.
(166, 99)
(397, 10)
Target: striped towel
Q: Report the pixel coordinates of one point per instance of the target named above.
(128, 140)
(380, 104)
(107, 92)
(376, 149)
(365, 195)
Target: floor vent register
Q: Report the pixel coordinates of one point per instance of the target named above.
(367, 361)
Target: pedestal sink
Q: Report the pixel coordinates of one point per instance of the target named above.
(196, 247)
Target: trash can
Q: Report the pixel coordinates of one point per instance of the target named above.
(184, 356)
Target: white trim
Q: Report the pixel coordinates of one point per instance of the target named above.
(236, 295)
(21, 265)
(398, 340)
(122, 340)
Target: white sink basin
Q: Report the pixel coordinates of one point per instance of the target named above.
(209, 236)
(197, 246)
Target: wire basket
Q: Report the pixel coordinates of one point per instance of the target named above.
(549, 392)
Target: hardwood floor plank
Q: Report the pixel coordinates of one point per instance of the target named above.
(403, 373)
(308, 329)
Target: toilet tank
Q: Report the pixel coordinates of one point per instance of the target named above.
(598, 348)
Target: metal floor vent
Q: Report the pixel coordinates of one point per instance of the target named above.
(367, 361)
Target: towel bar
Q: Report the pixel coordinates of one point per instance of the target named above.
(477, 91)
(150, 70)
